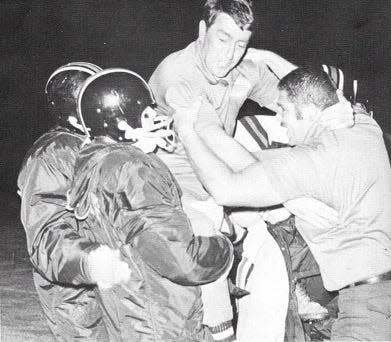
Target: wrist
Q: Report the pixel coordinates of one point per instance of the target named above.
(185, 131)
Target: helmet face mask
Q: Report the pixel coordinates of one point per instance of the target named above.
(155, 131)
(118, 103)
(62, 89)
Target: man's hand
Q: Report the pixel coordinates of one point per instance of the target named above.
(339, 115)
(316, 213)
(197, 116)
(106, 268)
(359, 108)
(276, 63)
(185, 117)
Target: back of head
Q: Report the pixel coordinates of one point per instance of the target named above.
(239, 10)
(110, 97)
(119, 104)
(309, 86)
(62, 89)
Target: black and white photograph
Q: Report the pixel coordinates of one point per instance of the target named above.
(195, 170)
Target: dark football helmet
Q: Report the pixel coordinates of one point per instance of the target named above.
(62, 89)
(119, 103)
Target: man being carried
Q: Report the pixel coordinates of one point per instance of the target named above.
(219, 67)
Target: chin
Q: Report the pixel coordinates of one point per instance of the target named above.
(220, 73)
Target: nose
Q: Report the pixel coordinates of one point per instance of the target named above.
(230, 52)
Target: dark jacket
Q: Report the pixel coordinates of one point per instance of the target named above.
(56, 249)
(130, 201)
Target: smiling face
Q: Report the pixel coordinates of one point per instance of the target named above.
(223, 44)
(296, 118)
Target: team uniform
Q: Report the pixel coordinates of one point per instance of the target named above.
(349, 170)
(130, 201)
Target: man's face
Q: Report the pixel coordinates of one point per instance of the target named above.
(297, 119)
(223, 44)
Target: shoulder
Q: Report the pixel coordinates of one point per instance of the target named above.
(53, 154)
(56, 146)
(178, 66)
(253, 62)
(56, 141)
(123, 156)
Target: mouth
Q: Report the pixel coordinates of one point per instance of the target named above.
(225, 66)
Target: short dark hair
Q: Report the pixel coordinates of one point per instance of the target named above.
(239, 10)
(310, 85)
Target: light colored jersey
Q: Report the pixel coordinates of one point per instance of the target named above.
(347, 169)
(179, 80)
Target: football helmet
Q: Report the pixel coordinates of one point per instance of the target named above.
(62, 89)
(119, 103)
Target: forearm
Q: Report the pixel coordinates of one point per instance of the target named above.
(59, 253)
(214, 174)
(264, 155)
(225, 148)
(168, 246)
(279, 65)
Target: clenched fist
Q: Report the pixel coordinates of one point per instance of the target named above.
(106, 268)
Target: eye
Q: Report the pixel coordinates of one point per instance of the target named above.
(146, 115)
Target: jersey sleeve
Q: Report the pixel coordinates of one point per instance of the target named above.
(264, 81)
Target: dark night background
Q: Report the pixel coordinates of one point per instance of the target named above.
(39, 36)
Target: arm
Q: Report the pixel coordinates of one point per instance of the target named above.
(231, 151)
(224, 147)
(155, 225)
(171, 249)
(56, 250)
(228, 188)
(270, 68)
(279, 65)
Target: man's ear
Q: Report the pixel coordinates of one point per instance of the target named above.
(310, 112)
(202, 30)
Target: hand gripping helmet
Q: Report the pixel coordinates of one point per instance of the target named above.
(62, 89)
(118, 103)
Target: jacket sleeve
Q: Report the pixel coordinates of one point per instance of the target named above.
(56, 249)
(155, 224)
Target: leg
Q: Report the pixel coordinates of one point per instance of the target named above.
(262, 313)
